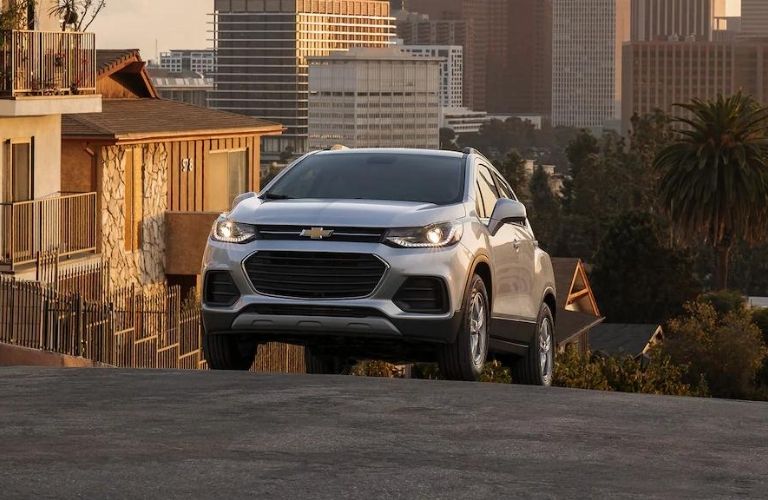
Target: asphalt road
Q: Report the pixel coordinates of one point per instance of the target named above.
(105, 433)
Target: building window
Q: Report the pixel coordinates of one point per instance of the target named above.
(134, 198)
(225, 177)
(19, 171)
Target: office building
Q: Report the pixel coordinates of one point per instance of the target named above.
(368, 97)
(754, 18)
(659, 20)
(586, 72)
(658, 75)
(451, 70)
(184, 86)
(463, 120)
(198, 61)
(263, 48)
(507, 49)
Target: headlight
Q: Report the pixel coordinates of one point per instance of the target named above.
(434, 236)
(229, 231)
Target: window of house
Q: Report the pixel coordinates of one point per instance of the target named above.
(134, 198)
(225, 177)
(19, 172)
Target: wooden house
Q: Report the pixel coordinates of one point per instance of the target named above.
(162, 170)
(577, 308)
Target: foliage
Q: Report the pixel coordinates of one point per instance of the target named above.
(714, 175)
(726, 350)
(544, 209)
(78, 14)
(725, 301)
(448, 139)
(657, 375)
(496, 373)
(378, 369)
(760, 319)
(636, 278)
(13, 16)
(513, 170)
(578, 371)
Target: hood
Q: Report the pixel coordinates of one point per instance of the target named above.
(351, 213)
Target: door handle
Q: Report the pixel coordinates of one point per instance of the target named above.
(516, 245)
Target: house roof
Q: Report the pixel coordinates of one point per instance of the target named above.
(571, 324)
(617, 339)
(107, 60)
(141, 119)
(565, 270)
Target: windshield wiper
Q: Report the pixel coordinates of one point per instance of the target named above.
(272, 196)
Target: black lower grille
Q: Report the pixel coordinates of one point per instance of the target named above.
(220, 290)
(309, 310)
(422, 295)
(314, 275)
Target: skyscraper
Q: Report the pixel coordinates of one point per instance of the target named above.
(263, 48)
(754, 18)
(586, 69)
(659, 20)
(507, 51)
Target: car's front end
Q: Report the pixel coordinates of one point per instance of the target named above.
(380, 278)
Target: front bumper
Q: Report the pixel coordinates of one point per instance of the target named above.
(376, 317)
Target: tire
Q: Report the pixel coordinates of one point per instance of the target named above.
(465, 358)
(317, 363)
(229, 351)
(538, 366)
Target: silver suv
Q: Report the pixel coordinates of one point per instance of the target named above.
(400, 255)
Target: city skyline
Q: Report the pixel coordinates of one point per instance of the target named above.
(118, 25)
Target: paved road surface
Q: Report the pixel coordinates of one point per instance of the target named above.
(104, 433)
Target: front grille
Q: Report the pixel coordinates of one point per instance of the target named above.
(314, 275)
(422, 295)
(310, 310)
(346, 234)
(220, 290)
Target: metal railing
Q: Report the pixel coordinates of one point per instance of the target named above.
(47, 63)
(65, 223)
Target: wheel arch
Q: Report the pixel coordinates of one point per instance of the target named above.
(551, 301)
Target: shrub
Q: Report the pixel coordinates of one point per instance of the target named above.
(760, 319)
(725, 301)
(496, 373)
(657, 375)
(378, 369)
(727, 350)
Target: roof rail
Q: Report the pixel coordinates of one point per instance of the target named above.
(470, 151)
(337, 147)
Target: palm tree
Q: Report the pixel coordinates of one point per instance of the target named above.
(714, 175)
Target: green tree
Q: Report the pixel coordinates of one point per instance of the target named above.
(714, 176)
(636, 278)
(448, 139)
(544, 208)
(513, 170)
(727, 350)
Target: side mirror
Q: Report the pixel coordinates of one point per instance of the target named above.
(507, 212)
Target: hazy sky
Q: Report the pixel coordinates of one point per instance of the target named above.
(173, 23)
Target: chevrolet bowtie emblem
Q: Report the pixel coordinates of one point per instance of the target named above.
(317, 233)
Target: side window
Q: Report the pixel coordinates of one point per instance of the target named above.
(504, 190)
(487, 190)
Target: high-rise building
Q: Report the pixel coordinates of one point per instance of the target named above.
(754, 18)
(451, 70)
(657, 20)
(263, 46)
(374, 98)
(178, 61)
(586, 71)
(507, 51)
(658, 75)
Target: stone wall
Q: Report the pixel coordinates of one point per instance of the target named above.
(147, 265)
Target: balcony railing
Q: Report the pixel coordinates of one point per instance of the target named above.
(65, 223)
(47, 63)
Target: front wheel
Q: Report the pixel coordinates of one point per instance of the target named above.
(538, 366)
(464, 359)
(229, 351)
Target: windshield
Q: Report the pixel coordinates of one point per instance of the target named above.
(374, 176)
